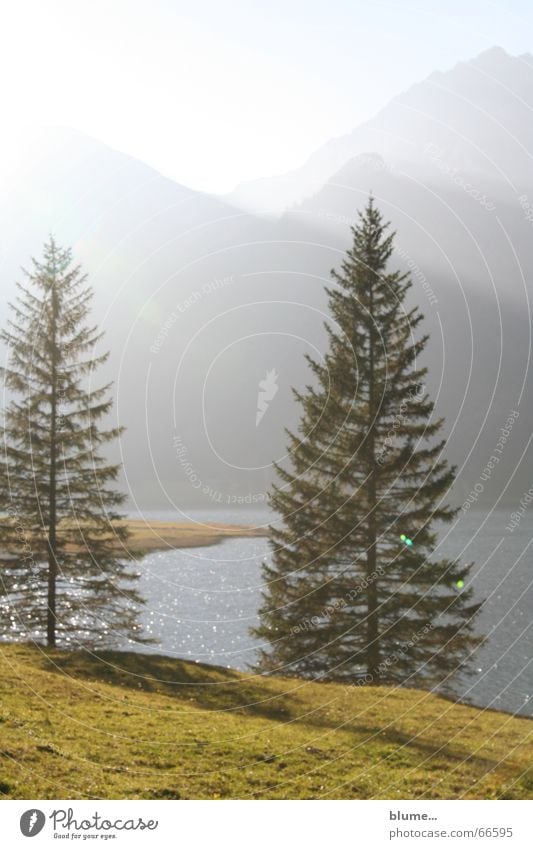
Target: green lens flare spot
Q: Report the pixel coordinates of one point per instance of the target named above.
(408, 541)
(403, 537)
(460, 584)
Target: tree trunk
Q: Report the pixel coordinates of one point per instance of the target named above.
(51, 619)
(373, 653)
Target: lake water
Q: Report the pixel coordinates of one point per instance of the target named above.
(202, 602)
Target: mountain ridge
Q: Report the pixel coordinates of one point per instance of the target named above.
(274, 195)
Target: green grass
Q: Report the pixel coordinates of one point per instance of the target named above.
(148, 727)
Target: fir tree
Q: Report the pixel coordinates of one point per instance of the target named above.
(353, 591)
(67, 578)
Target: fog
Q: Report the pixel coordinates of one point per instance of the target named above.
(202, 297)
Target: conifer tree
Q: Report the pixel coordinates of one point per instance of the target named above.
(65, 578)
(354, 590)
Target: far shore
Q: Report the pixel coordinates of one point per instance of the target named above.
(147, 536)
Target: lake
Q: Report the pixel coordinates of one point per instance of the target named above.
(202, 602)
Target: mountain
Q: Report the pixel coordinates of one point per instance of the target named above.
(450, 165)
(472, 270)
(204, 304)
(199, 302)
(475, 118)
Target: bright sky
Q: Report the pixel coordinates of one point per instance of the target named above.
(213, 92)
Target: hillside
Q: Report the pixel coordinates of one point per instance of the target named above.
(142, 726)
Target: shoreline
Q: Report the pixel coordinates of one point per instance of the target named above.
(147, 537)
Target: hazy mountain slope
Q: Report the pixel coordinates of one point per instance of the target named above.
(200, 300)
(477, 117)
(472, 270)
(192, 294)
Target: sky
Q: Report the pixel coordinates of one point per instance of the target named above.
(215, 93)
